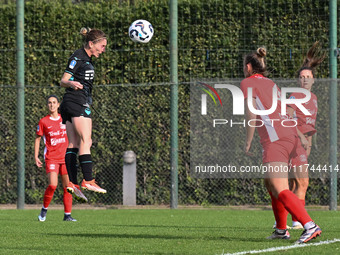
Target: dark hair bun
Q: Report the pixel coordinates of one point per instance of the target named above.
(84, 31)
(261, 52)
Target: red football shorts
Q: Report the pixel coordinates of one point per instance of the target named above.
(281, 150)
(59, 168)
(301, 156)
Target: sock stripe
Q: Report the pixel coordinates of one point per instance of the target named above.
(68, 152)
(84, 162)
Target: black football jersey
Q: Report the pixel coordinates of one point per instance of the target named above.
(81, 68)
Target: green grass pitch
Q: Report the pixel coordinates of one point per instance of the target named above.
(155, 231)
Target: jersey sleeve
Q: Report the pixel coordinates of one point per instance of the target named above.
(294, 96)
(72, 65)
(245, 84)
(315, 101)
(40, 128)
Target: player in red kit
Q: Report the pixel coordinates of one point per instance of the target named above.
(299, 180)
(278, 142)
(55, 138)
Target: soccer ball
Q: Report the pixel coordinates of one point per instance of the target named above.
(141, 31)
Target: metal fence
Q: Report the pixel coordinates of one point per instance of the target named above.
(137, 118)
(213, 36)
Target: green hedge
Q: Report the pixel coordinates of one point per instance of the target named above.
(213, 37)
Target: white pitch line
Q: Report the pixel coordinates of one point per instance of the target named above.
(279, 248)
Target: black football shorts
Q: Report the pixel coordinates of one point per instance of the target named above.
(68, 110)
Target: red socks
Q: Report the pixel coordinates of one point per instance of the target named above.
(303, 203)
(67, 202)
(294, 206)
(280, 213)
(48, 195)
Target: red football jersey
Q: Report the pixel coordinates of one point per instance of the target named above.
(55, 138)
(306, 124)
(262, 89)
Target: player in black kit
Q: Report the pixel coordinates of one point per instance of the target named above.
(76, 112)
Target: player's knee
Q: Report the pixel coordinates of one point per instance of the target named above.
(73, 141)
(302, 183)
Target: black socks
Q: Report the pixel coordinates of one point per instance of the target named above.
(71, 164)
(86, 166)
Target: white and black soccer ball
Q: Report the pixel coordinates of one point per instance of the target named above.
(141, 31)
